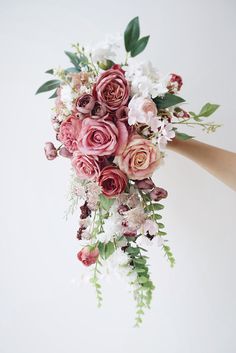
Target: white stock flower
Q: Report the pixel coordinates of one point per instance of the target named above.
(112, 228)
(143, 241)
(106, 50)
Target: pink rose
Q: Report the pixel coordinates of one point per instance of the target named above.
(101, 137)
(88, 256)
(86, 167)
(112, 89)
(122, 113)
(99, 110)
(113, 181)
(69, 132)
(139, 159)
(50, 151)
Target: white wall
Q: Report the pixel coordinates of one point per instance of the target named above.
(43, 309)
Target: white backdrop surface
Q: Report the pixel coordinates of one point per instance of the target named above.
(43, 307)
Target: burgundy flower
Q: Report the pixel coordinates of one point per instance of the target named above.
(122, 208)
(175, 83)
(158, 193)
(180, 113)
(145, 184)
(85, 211)
(84, 104)
(113, 181)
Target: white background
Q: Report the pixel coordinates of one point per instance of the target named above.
(43, 307)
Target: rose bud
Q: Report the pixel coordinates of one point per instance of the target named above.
(85, 103)
(65, 153)
(158, 193)
(50, 151)
(145, 184)
(175, 83)
(85, 211)
(98, 111)
(88, 256)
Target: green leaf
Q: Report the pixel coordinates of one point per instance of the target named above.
(72, 69)
(182, 136)
(142, 279)
(154, 207)
(51, 71)
(105, 202)
(54, 95)
(73, 58)
(139, 46)
(131, 34)
(208, 109)
(48, 86)
(167, 101)
(109, 249)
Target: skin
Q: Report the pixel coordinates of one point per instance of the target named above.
(218, 162)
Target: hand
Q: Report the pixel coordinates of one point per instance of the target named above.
(218, 162)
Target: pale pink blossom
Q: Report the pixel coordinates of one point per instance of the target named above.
(150, 226)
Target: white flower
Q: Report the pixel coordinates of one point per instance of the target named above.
(145, 79)
(119, 258)
(106, 50)
(166, 134)
(112, 228)
(143, 241)
(67, 96)
(150, 226)
(135, 217)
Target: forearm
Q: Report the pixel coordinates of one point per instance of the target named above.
(218, 162)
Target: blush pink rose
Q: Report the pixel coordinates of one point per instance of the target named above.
(86, 167)
(112, 181)
(84, 104)
(139, 159)
(88, 256)
(112, 89)
(69, 132)
(101, 137)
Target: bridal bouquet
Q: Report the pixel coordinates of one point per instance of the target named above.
(113, 120)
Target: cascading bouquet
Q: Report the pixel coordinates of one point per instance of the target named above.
(113, 121)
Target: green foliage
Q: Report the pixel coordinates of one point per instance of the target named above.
(133, 44)
(74, 59)
(169, 255)
(95, 282)
(106, 65)
(50, 71)
(182, 136)
(48, 86)
(105, 202)
(139, 46)
(72, 70)
(131, 34)
(106, 250)
(207, 110)
(167, 101)
(54, 95)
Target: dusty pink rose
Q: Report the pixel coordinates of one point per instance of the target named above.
(88, 256)
(84, 104)
(101, 137)
(50, 151)
(69, 132)
(112, 89)
(86, 167)
(122, 113)
(112, 181)
(139, 159)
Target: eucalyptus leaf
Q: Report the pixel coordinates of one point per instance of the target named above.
(182, 136)
(72, 70)
(74, 59)
(139, 46)
(131, 34)
(51, 71)
(167, 101)
(48, 86)
(109, 249)
(54, 95)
